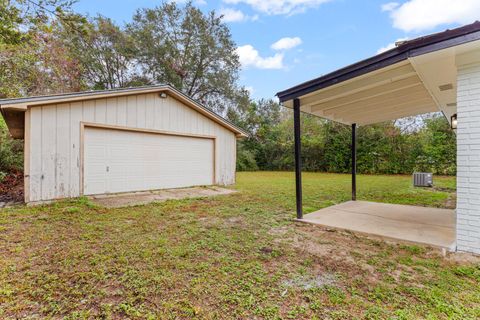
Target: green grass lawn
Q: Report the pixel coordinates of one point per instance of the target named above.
(239, 256)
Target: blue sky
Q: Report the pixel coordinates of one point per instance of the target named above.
(285, 42)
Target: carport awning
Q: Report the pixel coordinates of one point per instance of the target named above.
(416, 77)
(387, 94)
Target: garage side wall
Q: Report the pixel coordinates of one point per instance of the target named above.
(54, 138)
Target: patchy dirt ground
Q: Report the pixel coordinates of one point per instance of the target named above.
(11, 188)
(139, 198)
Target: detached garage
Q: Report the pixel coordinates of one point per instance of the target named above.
(123, 140)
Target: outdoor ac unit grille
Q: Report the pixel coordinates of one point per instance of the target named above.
(422, 179)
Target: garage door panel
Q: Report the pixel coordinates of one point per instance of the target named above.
(142, 161)
(116, 185)
(97, 152)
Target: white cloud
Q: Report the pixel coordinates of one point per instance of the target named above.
(390, 6)
(390, 45)
(419, 15)
(233, 15)
(249, 57)
(286, 43)
(250, 89)
(277, 7)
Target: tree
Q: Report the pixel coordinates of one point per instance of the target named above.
(105, 53)
(9, 23)
(11, 152)
(260, 119)
(33, 60)
(188, 49)
(438, 147)
(17, 16)
(41, 64)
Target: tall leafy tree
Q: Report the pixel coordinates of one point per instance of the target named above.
(192, 51)
(40, 64)
(260, 119)
(17, 16)
(10, 21)
(33, 59)
(105, 52)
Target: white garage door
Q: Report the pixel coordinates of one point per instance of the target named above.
(124, 161)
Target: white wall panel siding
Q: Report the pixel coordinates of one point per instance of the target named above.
(55, 139)
(150, 111)
(89, 111)
(141, 111)
(49, 152)
(112, 112)
(132, 111)
(35, 154)
(101, 110)
(121, 111)
(62, 152)
(76, 115)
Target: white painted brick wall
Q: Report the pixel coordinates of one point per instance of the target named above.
(468, 158)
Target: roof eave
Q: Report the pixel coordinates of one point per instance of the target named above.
(24, 103)
(340, 75)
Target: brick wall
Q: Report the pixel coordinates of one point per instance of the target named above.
(468, 157)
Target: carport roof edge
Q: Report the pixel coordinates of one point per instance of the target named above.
(403, 51)
(21, 104)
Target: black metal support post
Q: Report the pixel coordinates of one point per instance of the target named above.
(298, 158)
(354, 161)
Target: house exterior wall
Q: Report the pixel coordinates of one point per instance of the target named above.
(468, 154)
(53, 138)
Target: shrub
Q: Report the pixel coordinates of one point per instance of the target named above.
(11, 152)
(245, 159)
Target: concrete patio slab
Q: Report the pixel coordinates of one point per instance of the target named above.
(140, 198)
(431, 226)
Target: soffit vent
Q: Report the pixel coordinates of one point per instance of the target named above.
(445, 87)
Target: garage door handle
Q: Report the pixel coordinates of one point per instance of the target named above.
(108, 168)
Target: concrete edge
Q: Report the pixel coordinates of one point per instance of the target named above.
(451, 248)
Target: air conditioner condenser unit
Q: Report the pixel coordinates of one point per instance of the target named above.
(422, 179)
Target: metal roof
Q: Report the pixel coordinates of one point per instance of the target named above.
(88, 93)
(403, 51)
